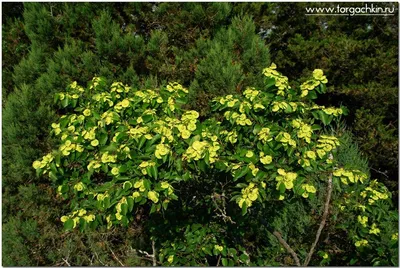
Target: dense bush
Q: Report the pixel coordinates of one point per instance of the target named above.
(121, 150)
(79, 41)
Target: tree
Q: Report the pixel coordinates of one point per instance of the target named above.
(125, 152)
(76, 41)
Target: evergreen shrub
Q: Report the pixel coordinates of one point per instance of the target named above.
(124, 152)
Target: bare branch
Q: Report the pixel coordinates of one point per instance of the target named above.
(322, 224)
(380, 172)
(154, 253)
(91, 260)
(287, 247)
(66, 262)
(223, 210)
(97, 257)
(148, 256)
(115, 257)
(219, 258)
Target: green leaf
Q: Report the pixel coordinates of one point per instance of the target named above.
(241, 172)
(244, 208)
(256, 129)
(152, 171)
(123, 178)
(282, 188)
(124, 221)
(52, 176)
(316, 127)
(290, 151)
(64, 102)
(74, 102)
(147, 118)
(353, 261)
(123, 168)
(56, 97)
(202, 165)
(130, 203)
(68, 225)
(269, 82)
(269, 166)
(153, 209)
(141, 142)
(244, 258)
(154, 139)
(322, 87)
(106, 202)
(110, 148)
(288, 109)
(206, 158)
(147, 184)
(220, 165)
(165, 205)
(82, 224)
(345, 110)
(224, 261)
(312, 95)
(124, 209)
(207, 250)
(326, 119)
(103, 138)
(178, 164)
(260, 175)
(232, 252)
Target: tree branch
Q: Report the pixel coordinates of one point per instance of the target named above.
(287, 247)
(219, 258)
(380, 172)
(223, 210)
(115, 257)
(322, 224)
(66, 261)
(97, 256)
(148, 256)
(154, 253)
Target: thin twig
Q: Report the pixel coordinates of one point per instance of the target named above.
(223, 210)
(66, 261)
(380, 172)
(91, 260)
(288, 248)
(219, 258)
(115, 257)
(322, 224)
(153, 246)
(148, 256)
(97, 257)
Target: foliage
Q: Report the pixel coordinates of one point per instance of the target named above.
(15, 46)
(121, 150)
(47, 46)
(360, 55)
(66, 41)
